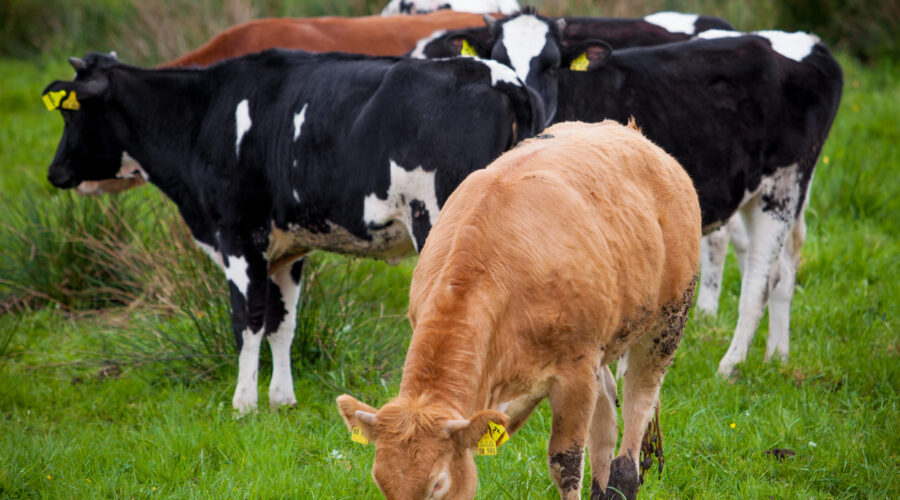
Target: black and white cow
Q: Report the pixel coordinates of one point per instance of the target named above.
(397, 7)
(745, 114)
(653, 29)
(273, 155)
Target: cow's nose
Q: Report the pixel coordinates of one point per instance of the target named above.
(61, 178)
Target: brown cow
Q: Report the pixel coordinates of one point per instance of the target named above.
(566, 252)
(373, 35)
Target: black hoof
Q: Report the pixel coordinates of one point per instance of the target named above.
(623, 482)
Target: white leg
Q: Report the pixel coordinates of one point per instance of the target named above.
(713, 249)
(603, 432)
(767, 232)
(739, 240)
(622, 366)
(281, 389)
(783, 295)
(780, 309)
(248, 371)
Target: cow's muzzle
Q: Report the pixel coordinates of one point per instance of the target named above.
(62, 178)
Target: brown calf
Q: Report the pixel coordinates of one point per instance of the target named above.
(566, 252)
(372, 35)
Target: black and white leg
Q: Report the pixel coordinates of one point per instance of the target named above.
(713, 250)
(281, 321)
(769, 217)
(247, 283)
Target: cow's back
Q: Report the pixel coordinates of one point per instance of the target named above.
(590, 227)
(372, 35)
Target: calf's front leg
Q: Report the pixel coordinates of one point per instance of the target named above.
(572, 400)
(281, 321)
(248, 285)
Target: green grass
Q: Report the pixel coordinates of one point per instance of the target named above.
(104, 400)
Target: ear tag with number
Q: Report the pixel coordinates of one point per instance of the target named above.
(357, 436)
(580, 63)
(492, 439)
(498, 433)
(52, 99)
(467, 49)
(71, 102)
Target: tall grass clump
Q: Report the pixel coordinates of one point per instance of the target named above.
(66, 250)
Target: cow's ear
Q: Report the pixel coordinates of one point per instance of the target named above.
(60, 94)
(587, 56)
(68, 94)
(467, 433)
(359, 417)
(465, 45)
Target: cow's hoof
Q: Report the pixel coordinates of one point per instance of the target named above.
(276, 403)
(726, 369)
(623, 480)
(243, 406)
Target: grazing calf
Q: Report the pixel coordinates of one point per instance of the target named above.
(745, 114)
(395, 7)
(567, 251)
(273, 155)
(372, 35)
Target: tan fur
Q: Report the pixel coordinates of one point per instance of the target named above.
(552, 262)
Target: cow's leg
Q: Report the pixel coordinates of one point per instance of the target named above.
(647, 362)
(783, 295)
(713, 249)
(740, 241)
(281, 321)
(769, 218)
(572, 400)
(622, 366)
(603, 432)
(248, 285)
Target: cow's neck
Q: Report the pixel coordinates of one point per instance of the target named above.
(161, 113)
(448, 362)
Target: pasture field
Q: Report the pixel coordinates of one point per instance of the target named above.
(117, 364)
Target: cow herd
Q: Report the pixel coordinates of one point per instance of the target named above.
(552, 238)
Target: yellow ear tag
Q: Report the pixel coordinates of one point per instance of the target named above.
(486, 445)
(580, 63)
(467, 49)
(51, 99)
(492, 439)
(357, 436)
(498, 433)
(71, 102)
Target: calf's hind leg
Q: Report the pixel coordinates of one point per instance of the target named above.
(603, 432)
(647, 362)
(782, 296)
(770, 218)
(572, 401)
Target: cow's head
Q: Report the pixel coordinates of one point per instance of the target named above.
(530, 45)
(88, 149)
(421, 450)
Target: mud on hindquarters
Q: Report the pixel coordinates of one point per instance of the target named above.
(674, 317)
